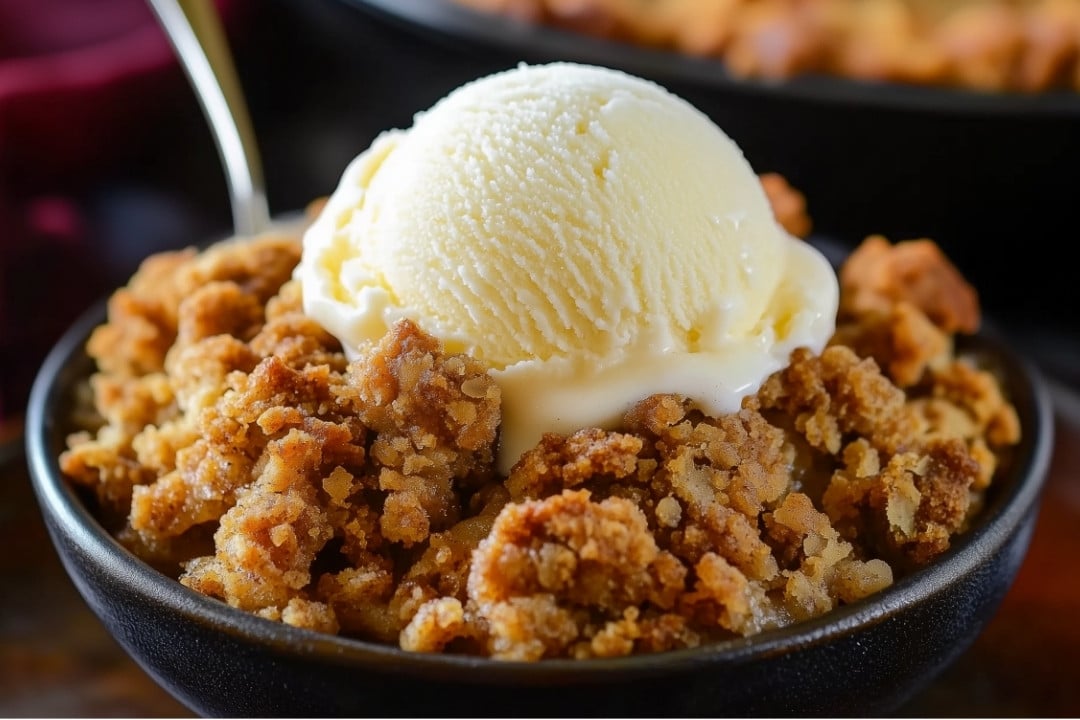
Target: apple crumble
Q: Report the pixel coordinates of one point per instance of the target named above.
(230, 443)
(1024, 45)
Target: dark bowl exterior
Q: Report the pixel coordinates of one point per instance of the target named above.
(862, 659)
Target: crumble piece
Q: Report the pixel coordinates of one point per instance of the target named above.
(835, 396)
(133, 387)
(435, 625)
(549, 567)
(902, 341)
(359, 596)
(879, 274)
(788, 204)
(907, 512)
(267, 540)
(559, 463)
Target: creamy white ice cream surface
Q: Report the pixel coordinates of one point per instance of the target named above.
(590, 235)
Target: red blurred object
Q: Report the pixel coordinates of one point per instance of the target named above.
(77, 81)
(83, 86)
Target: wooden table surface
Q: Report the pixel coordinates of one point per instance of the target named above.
(57, 660)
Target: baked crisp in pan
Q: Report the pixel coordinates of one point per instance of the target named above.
(1025, 45)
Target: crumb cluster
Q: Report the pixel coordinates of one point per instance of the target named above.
(238, 450)
(1025, 45)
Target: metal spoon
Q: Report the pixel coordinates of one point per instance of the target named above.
(195, 31)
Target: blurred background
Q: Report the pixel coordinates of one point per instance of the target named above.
(105, 158)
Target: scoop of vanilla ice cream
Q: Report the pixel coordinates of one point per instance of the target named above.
(591, 236)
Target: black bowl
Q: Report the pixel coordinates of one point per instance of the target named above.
(862, 659)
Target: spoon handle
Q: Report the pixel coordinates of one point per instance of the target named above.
(195, 31)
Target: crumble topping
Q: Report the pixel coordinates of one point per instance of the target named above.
(237, 449)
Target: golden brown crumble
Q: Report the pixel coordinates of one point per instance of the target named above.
(240, 451)
(1025, 45)
(787, 203)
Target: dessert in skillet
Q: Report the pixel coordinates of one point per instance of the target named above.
(1025, 45)
(544, 377)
